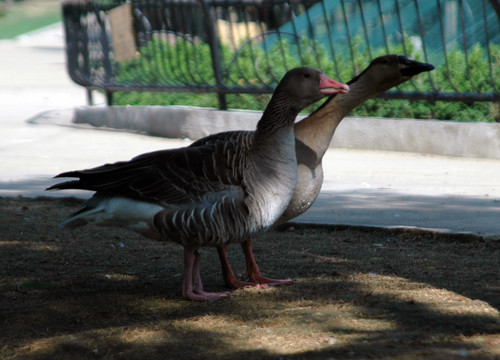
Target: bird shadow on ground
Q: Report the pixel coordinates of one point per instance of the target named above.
(358, 293)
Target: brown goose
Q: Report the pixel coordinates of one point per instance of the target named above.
(209, 195)
(313, 136)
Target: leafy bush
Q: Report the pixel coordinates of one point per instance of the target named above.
(167, 60)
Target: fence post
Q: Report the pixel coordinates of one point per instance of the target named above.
(213, 42)
(105, 46)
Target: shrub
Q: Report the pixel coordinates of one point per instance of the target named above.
(165, 61)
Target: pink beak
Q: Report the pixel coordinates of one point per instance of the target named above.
(328, 86)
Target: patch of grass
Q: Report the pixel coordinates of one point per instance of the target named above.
(29, 15)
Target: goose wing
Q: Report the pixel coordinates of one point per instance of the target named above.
(243, 138)
(177, 176)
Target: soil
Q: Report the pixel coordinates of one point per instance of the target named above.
(357, 294)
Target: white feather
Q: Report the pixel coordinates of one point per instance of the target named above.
(116, 211)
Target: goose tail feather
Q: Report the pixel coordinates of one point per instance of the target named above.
(81, 217)
(73, 184)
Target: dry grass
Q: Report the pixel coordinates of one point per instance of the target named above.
(360, 294)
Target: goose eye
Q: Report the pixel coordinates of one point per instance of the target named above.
(306, 75)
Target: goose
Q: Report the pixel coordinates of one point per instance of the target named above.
(313, 135)
(209, 195)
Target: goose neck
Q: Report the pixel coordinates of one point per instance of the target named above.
(280, 113)
(317, 130)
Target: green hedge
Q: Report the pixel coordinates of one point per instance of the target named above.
(165, 61)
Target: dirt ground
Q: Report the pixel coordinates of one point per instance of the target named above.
(99, 293)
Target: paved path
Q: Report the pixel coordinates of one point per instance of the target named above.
(371, 188)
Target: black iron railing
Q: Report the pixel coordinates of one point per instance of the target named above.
(245, 46)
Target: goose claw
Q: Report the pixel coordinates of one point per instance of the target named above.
(257, 278)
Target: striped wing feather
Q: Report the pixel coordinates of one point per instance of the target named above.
(244, 138)
(175, 177)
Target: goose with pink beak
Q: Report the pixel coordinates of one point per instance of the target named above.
(328, 86)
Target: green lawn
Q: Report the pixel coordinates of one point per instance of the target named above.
(28, 15)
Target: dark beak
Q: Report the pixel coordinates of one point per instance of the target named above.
(411, 67)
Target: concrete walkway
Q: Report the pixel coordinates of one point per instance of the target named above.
(362, 187)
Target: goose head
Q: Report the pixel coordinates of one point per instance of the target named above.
(305, 85)
(387, 71)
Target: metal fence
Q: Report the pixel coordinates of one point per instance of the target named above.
(245, 46)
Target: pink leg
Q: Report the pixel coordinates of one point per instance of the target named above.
(227, 272)
(192, 288)
(253, 272)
